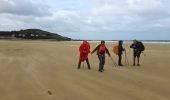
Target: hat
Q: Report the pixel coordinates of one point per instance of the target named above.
(102, 41)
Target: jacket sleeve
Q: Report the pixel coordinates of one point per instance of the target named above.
(95, 49)
(121, 48)
(132, 46)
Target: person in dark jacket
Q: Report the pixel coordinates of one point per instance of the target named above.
(137, 49)
(120, 52)
(101, 50)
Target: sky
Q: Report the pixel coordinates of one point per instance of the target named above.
(90, 19)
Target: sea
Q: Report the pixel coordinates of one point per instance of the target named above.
(130, 41)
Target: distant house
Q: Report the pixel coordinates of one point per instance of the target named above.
(6, 35)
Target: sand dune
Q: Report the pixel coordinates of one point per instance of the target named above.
(30, 69)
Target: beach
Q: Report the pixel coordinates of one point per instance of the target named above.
(47, 70)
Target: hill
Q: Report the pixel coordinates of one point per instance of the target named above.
(32, 34)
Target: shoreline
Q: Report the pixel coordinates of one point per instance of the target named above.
(91, 41)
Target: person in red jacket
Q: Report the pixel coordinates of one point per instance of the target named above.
(84, 50)
(101, 50)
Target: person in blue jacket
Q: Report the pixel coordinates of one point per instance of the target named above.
(120, 52)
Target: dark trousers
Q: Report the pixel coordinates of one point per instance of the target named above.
(136, 54)
(101, 61)
(87, 61)
(119, 59)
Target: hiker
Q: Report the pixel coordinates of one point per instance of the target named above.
(101, 50)
(120, 52)
(138, 47)
(84, 50)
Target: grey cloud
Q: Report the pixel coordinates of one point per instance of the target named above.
(143, 16)
(23, 7)
(130, 16)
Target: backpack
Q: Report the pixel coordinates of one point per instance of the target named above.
(142, 47)
(115, 49)
(102, 49)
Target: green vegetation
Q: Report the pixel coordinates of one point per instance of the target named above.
(32, 34)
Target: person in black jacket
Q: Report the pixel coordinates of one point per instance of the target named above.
(120, 52)
(137, 49)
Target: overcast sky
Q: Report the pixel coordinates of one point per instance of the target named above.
(90, 19)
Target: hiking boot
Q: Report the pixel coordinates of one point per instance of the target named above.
(138, 64)
(120, 65)
(100, 70)
(89, 68)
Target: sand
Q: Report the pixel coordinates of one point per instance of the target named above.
(41, 70)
